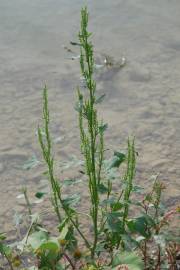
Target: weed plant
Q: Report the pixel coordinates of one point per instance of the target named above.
(119, 239)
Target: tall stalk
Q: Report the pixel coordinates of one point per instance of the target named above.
(128, 178)
(91, 132)
(45, 143)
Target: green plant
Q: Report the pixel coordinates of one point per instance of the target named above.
(119, 239)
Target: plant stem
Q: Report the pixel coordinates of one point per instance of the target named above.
(9, 262)
(88, 112)
(70, 218)
(45, 143)
(24, 190)
(69, 260)
(128, 178)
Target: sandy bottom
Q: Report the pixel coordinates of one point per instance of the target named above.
(142, 99)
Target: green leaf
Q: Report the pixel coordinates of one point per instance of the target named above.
(62, 224)
(64, 232)
(114, 223)
(60, 267)
(100, 99)
(112, 202)
(129, 242)
(102, 188)
(116, 161)
(117, 206)
(5, 249)
(51, 245)
(37, 238)
(140, 225)
(79, 104)
(103, 128)
(71, 200)
(2, 236)
(74, 43)
(131, 259)
(39, 195)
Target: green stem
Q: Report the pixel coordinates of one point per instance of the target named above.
(45, 143)
(88, 109)
(24, 190)
(71, 219)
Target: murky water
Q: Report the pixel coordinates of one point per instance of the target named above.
(142, 99)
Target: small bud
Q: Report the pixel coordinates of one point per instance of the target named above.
(16, 261)
(77, 254)
(62, 242)
(38, 252)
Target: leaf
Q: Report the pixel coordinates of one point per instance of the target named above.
(75, 43)
(51, 245)
(39, 195)
(60, 267)
(100, 99)
(103, 128)
(116, 206)
(78, 106)
(71, 200)
(2, 236)
(114, 223)
(116, 161)
(5, 250)
(102, 188)
(64, 232)
(131, 259)
(62, 224)
(129, 243)
(67, 233)
(140, 225)
(37, 238)
(109, 201)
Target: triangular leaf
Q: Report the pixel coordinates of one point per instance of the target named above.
(100, 99)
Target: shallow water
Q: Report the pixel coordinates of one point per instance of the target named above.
(142, 99)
